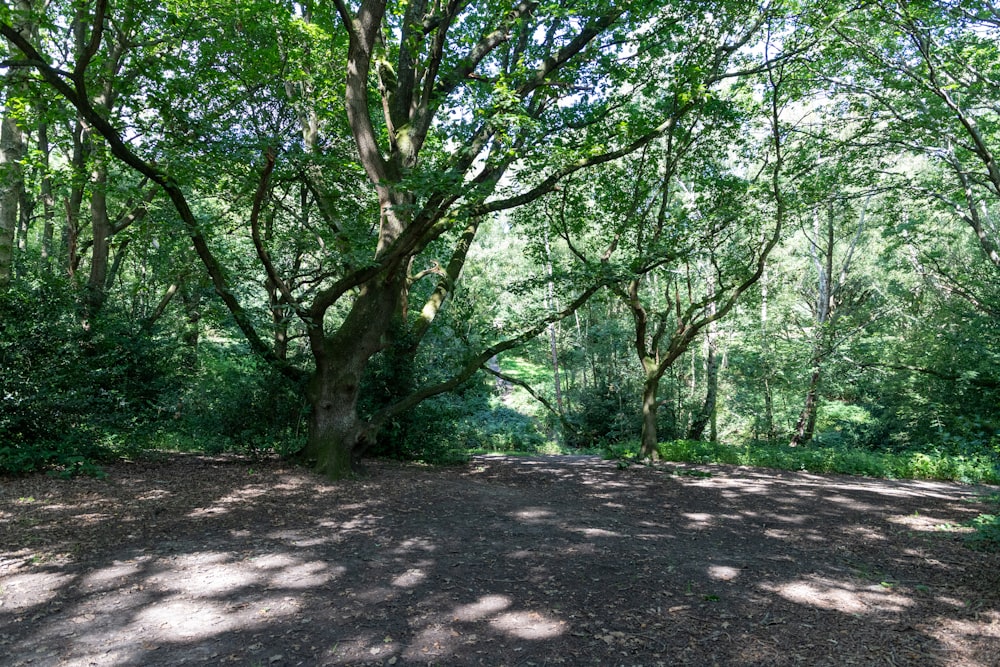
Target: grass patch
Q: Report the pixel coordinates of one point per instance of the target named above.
(986, 526)
(970, 469)
(987, 532)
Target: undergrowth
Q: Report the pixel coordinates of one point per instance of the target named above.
(967, 468)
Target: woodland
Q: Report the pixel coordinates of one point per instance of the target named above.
(698, 297)
(745, 232)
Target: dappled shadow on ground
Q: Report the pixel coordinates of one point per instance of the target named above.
(548, 560)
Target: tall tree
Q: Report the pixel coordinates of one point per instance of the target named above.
(927, 75)
(441, 101)
(12, 146)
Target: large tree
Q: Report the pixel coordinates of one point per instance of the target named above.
(450, 112)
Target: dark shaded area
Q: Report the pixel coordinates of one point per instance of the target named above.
(545, 560)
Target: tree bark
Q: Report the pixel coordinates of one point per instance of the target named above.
(707, 412)
(101, 227)
(48, 201)
(12, 151)
(648, 439)
(337, 436)
(805, 427)
(11, 180)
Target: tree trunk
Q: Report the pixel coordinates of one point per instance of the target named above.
(334, 427)
(550, 299)
(101, 226)
(648, 449)
(12, 151)
(337, 436)
(74, 203)
(707, 412)
(769, 432)
(48, 202)
(806, 426)
(11, 177)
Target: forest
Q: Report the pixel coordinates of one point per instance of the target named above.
(746, 232)
(499, 332)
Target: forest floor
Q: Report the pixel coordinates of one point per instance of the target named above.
(505, 561)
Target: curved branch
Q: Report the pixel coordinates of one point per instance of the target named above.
(126, 155)
(474, 364)
(258, 244)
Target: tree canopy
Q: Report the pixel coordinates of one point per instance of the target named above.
(341, 228)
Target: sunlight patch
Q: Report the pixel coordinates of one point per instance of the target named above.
(925, 523)
(962, 638)
(107, 575)
(484, 606)
(597, 532)
(154, 494)
(306, 575)
(36, 583)
(699, 518)
(533, 514)
(179, 619)
(866, 532)
(528, 625)
(415, 544)
(211, 579)
(723, 572)
(840, 596)
(410, 578)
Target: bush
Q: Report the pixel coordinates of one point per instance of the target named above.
(65, 383)
(987, 532)
(606, 416)
(234, 401)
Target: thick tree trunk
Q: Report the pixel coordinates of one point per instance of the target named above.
(648, 449)
(334, 427)
(337, 436)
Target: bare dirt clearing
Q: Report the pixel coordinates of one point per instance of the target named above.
(505, 561)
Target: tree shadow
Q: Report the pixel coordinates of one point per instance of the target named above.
(542, 560)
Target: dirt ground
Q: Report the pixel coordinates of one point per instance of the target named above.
(505, 561)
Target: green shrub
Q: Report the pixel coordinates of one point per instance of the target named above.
(987, 532)
(66, 383)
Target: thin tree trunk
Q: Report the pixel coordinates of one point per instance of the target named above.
(806, 426)
(12, 151)
(553, 338)
(11, 184)
(74, 204)
(101, 249)
(766, 354)
(707, 413)
(48, 202)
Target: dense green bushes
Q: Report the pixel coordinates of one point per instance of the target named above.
(66, 382)
(77, 392)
